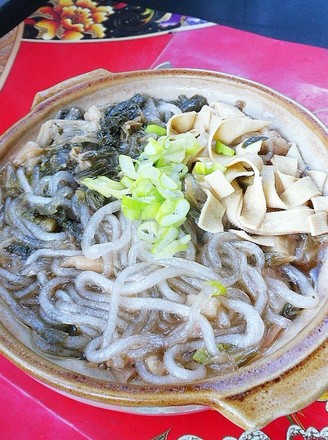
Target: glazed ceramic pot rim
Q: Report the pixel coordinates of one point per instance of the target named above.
(308, 342)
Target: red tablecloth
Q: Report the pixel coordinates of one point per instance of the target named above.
(28, 409)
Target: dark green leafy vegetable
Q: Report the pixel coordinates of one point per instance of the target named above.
(71, 114)
(21, 250)
(120, 132)
(74, 229)
(56, 159)
(67, 222)
(252, 140)
(193, 104)
(94, 199)
(290, 312)
(53, 341)
(10, 184)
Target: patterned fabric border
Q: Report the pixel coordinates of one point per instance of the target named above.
(76, 20)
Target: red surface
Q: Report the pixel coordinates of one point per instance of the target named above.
(39, 412)
(28, 409)
(43, 64)
(297, 70)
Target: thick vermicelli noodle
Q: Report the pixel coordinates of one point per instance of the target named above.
(92, 283)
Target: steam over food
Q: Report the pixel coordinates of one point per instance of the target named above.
(161, 242)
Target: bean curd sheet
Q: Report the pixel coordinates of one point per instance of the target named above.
(159, 242)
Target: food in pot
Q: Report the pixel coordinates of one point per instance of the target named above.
(162, 242)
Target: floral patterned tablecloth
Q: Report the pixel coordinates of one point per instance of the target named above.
(67, 38)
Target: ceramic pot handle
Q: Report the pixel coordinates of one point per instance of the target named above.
(60, 87)
(290, 392)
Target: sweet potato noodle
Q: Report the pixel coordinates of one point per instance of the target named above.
(90, 280)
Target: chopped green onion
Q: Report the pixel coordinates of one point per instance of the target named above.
(201, 356)
(152, 148)
(150, 211)
(142, 187)
(127, 166)
(132, 208)
(156, 129)
(167, 237)
(200, 168)
(207, 168)
(149, 231)
(220, 288)
(172, 248)
(167, 182)
(167, 193)
(224, 347)
(176, 154)
(126, 181)
(129, 202)
(223, 149)
(148, 171)
(168, 149)
(175, 171)
(167, 207)
(173, 212)
(131, 214)
(151, 190)
(190, 143)
(106, 187)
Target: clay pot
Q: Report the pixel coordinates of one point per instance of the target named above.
(295, 373)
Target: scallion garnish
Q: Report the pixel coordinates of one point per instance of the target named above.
(224, 149)
(155, 129)
(151, 189)
(201, 356)
(203, 169)
(220, 289)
